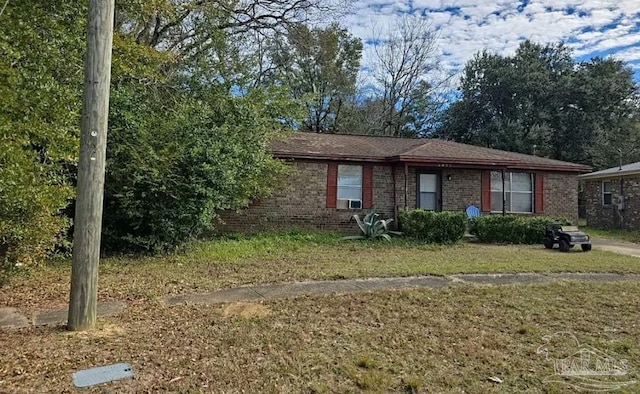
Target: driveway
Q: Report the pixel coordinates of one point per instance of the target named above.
(628, 248)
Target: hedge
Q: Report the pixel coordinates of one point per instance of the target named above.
(433, 227)
(511, 228)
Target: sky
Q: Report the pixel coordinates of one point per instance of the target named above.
(590, 27)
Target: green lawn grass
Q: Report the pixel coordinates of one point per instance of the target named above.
(462, 339)
(271, 258)
(622, 235)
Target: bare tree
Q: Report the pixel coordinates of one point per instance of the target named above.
(406, 62)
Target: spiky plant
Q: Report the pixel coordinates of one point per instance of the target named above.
(373, 227)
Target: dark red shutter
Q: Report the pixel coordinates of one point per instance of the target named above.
(367, 186)
(332, 184)
(539, 192)
(486, 191)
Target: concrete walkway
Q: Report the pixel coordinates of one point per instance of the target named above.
(12, 318)
(612, 245)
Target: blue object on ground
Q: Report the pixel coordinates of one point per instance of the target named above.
(107, 373)
(473, 211)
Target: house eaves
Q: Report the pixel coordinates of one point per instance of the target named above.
(608, 175)
(490, 163)
(442, 162)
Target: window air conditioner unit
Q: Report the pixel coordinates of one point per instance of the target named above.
(355, 204)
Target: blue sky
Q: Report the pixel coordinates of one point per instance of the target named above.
(590, 27)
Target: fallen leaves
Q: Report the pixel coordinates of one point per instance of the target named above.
(465, 339)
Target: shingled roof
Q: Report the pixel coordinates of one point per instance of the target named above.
(614, 172)
(350, 147)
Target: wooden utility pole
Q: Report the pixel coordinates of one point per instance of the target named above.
(93, 149)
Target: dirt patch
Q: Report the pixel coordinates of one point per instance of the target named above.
(102, 331)
(246, 310)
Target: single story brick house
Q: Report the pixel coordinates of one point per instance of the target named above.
(338, 175)
(612, 197)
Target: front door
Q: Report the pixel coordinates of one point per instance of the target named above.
(429, 191)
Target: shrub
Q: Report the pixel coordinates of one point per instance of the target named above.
(40, 105)
(167, 176)
(511, 228)
(32, 195)
(434, 227)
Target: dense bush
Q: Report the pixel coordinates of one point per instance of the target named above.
(433, 227)
(511, 228)
(167, 176)
(40, 105)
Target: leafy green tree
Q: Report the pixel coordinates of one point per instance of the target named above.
(363, 116)
(215, 39)
(320, 66)
(612, 107)
(41, 48)
(186, 137)
(423, 110)
(540, 101)
(191, 126)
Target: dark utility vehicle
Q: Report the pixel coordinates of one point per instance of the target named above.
(566, 237)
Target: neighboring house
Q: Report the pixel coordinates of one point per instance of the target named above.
(612, 197)
(338, 175)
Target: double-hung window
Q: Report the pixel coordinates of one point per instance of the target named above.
(607, 195)
(428, 197)
(349, 182)
(516, 191)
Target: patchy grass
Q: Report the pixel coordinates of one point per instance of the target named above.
(454, 340)
(622, 235)
(213, 265)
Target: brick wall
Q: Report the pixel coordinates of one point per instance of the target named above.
(304, 206)
(400, 186)
(609, 216)
(462, 190)
(561, 195)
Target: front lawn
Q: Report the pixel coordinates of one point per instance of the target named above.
(212, 265)
(619, 234)
(473, 339)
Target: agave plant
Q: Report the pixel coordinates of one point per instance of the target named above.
(373, 227)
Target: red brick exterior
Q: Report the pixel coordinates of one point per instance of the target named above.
(560, 194)
(302, 201)
(462, 190)
(608, 217)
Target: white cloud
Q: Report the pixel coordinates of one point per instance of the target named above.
(629, 55)
(466, 27)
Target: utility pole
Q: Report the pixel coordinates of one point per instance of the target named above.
(93, 149)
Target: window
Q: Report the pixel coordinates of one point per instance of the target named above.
(429, 192)
(607, 196)
(349, 182)
(517, 192)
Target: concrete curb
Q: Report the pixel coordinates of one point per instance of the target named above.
(297, 289)
(10, 318)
